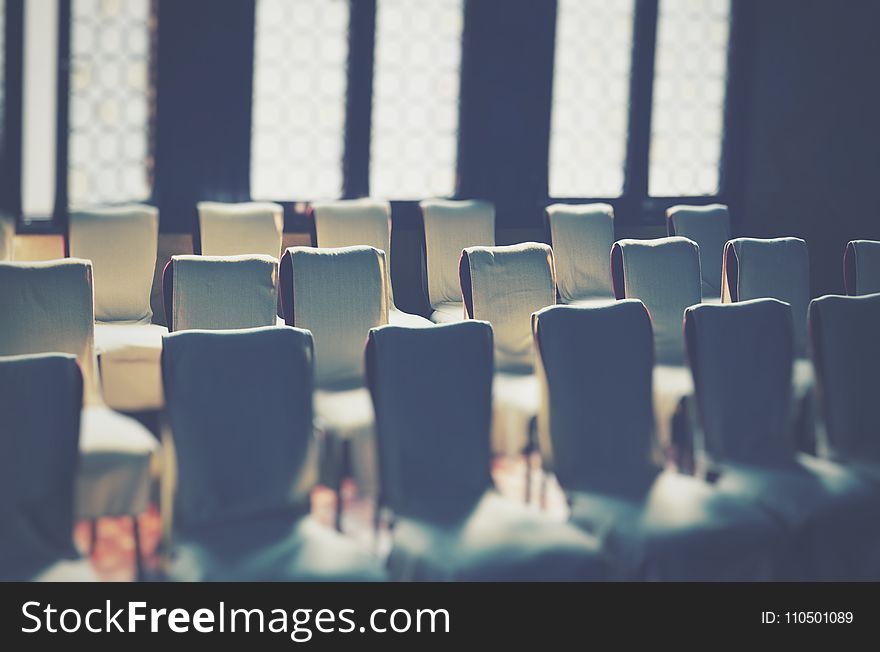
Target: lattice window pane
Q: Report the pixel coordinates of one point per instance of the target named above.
(590, 97)
(415, 98)
(299, 99)
(690, 78)
(111, 95)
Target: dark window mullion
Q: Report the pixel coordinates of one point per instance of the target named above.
(63, 117)
(10, 169)
(359, 98)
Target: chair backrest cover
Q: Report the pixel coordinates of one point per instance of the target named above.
(846, 357)
(253, 228)
(349, 223)
(741, 358)
(46, 307)
(582, 236)
(504, 286)
(40, 402)
(339, 295)
(665, 275)
(778, 268)
(240, 407)
(596, 424)
(122, 243)
(432, 393)
(220, 292)
(451, 227)
(861, 267)
(7, 237)
(709, 227)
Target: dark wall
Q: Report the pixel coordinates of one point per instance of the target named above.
(812, 147)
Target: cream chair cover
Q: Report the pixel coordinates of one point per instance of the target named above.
(38, 466)
(450, 227)
(596, 432)
(7, 237)
(240, 408)
(247, 228)
(221, 292)
(348, 223)
(741, 356)
(861, 267)
(709, 227)
(582, 236)
(846, 353)
(434, 451)
(339, 295)
(47, 307)
(665, 275)
(504, 286)
(121, 242)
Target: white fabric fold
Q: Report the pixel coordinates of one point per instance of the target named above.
(582, 236)
(709, 227)
(246, 228)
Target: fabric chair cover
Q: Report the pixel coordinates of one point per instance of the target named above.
(38, 459)
(240, 409)
(449, 522)
(741, 357)
(861, 267)
(596, 432)
(665, 275)
(121, 242)
(7, 237)
(349, 223)
(339, 295)
(247, 228)
(47, 307)
(221, 292)
(582, 236)
(846, 353)
(504, 286)
(450, 227)
(709, 227)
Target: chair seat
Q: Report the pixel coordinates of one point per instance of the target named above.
(345, 414)
(67, 570)
(114, 471)
(672, 386)
(272, 548)
(130, 359)
(675, 527)
(498, 540)
(448, 312)
(400, 318)
(829, 510)
(516, 399)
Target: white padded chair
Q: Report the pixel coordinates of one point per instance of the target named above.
(582, 236)
(7, 237)
(665, 275)
(709, 227)
(596, 432)
(741, 355)
(846, 355)
(225, 229)
(122, 242)
(240, 408)
(339, 295)
(504, 286)
(40, 451)
(778, 269)
(861, 267)
(434, 451)
(349, 223)
(450, 227)
(47, 307)
(220, 292)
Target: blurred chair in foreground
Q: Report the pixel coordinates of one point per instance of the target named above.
(240, 407)
(861, 267)
(741, 355)
(433, 433)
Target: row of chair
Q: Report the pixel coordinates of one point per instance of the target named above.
(240, 407)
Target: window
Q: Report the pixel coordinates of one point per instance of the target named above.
(298, 122)
(415, 98)
(590, 97)
(690, 78)
(111, 96)
(2, 72)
